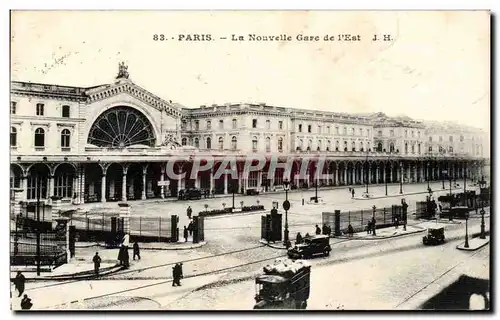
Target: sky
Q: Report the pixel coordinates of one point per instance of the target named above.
(437, 66)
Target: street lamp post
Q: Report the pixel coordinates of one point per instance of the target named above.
(373, 220)
(232, 189)
(286, 206)
(428, 184)
(444, 172)
(483, 235)
(38, 195)
(316, 196)
(466, 245)
(401, 178)
(367, 175)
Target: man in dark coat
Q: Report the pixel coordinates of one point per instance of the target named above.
(19, 282)
(325, 230)
(350, 230)
(26, 303)
(186, 233)
(190, 228)
(177, 274)
(97, 263)
(189, 211)
(136, 251)
(352, 192)
(298, 240)
(318, 230)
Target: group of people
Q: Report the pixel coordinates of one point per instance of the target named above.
(326, 230)
(19, 285)
(351, 191)
(123, 256)
(188, 231)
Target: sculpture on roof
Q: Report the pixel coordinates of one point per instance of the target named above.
(170, 141)
(122, 71)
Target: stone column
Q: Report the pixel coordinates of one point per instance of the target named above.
(82, 186)
(162, 177)
(225, 183)
(211, 181)
(390, 175)
(16, 202)
(197, 182)
(103, 188)
(259, 180)
(370, 175)
(377, 171)
(50, 186)
(362, 175)
(125, 214)
(345, 176)
(56, 204)
(144, 173)
(24, 188)
(337, 176)
(124, 186)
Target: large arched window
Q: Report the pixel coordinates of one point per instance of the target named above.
(379, 147)
(345, 145)
(184, 141)
(13, 136)
(329, 145)
(234, 124)
(368, 146)
(419, 148)
(320, 145)
(280, 144)
(120, 127)
(234, 143)
(337, 145)
(309, 145)
(65, 138)
(196, 143)
(39, 137)
(353, 146)
(412, 148)
(391, 147)
(209, 143)
(406, 148)
(268, 144)
(254, 144)
(221, 143)
(361, 148)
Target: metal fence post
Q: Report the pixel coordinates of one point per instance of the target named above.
(361, 216)
(102, 228)
(159, 229)
(384, 215)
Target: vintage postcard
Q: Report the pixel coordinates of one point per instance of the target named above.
(250, 160)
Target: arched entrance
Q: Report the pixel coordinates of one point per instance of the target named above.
(37, 179)
(134, 181)
(93, 182)
(15, 176)
(114, 181)
(63, 181)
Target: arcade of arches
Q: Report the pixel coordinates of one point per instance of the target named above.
(101, 182)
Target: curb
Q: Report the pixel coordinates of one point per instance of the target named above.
(402, 195)
(472, 249)
(193, 246)
(382, 238)
(274, 246)
(239, 214)
(77, 276)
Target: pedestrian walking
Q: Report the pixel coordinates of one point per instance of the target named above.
(177, 274)
(186, 232)
(328, 230)
(369, 227)
(97, 263)
(189, 211)
(318, 230)
(352, 192)
(26, 303)
(19, 282)
(396, 222)
(298, 240)
(324, 231)
(350, 230)
(126, 257)
(136, 251)
(190, 228)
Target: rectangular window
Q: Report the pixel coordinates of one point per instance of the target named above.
(221, 124)
(328, 129)
(254, 123)
(209, 125)
(319, 129)
(337, 131)
(309, 128)
(197, 125)
(13, 106)
(252, 179)
(39, 109)
(268, 124)
(65, 111)
(280, 125)
(234, 124)
(300, 128)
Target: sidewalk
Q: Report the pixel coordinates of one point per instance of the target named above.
(180, 245)
(474, 244)
(69, 271)
(385, 233)
(382, 196)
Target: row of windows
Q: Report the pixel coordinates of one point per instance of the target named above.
(40, 109)
(450, 139)
(234, 143)
(392, 133)
(327, 130)
(40, 137)
(234, 124)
